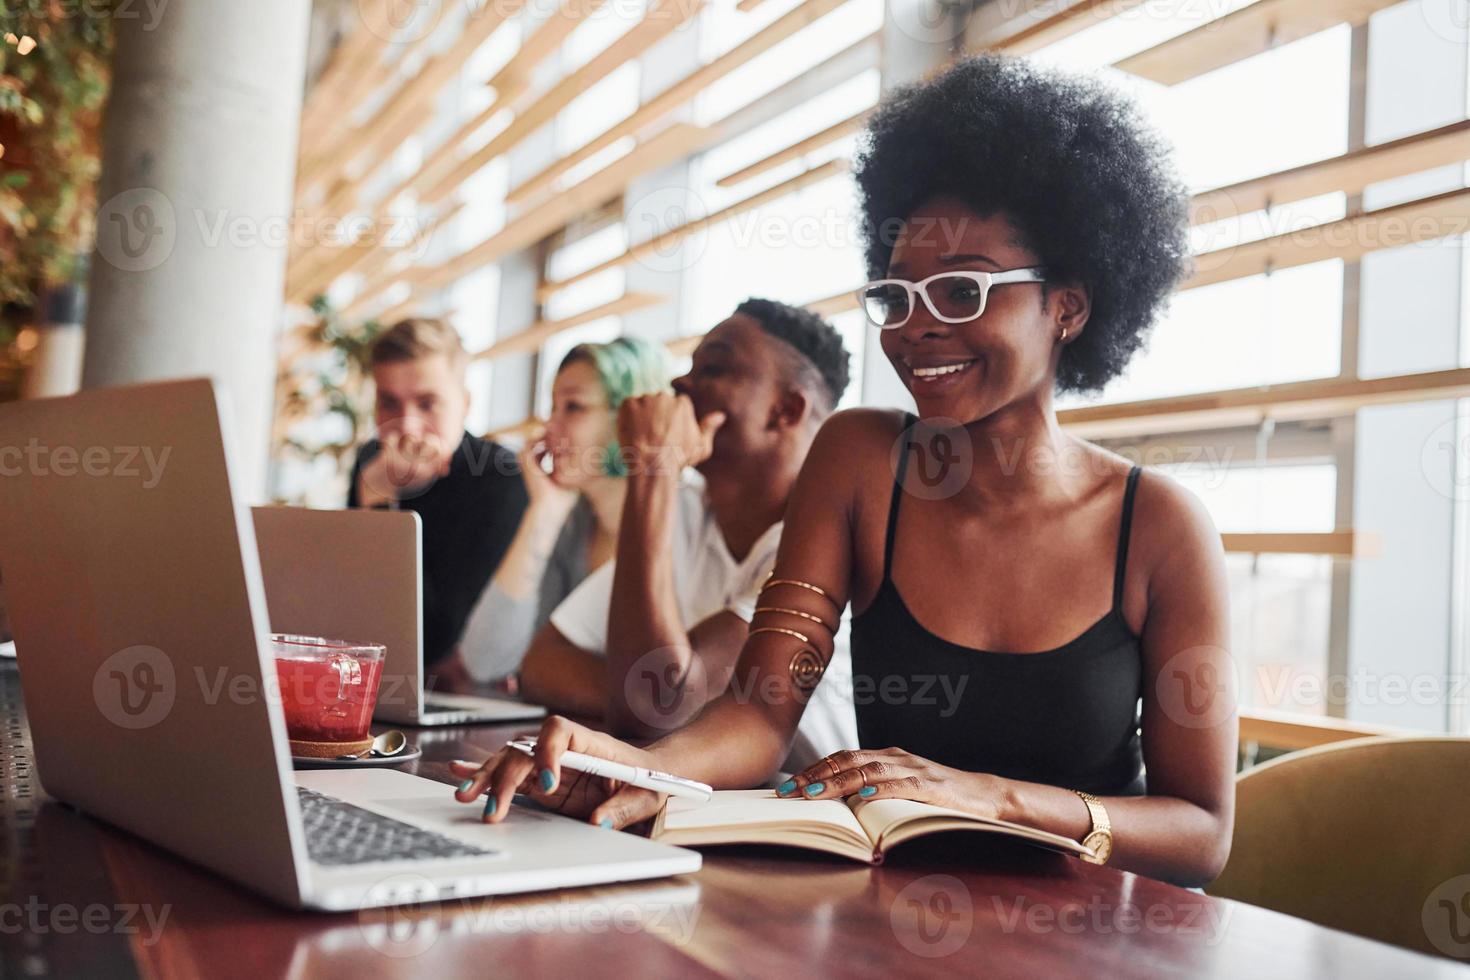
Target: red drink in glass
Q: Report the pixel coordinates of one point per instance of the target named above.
(328, 688)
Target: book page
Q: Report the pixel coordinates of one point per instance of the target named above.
(748, 808)
(885, 821)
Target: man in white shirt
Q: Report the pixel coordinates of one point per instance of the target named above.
(647, 640)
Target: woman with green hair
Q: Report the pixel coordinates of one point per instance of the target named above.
(573, 474)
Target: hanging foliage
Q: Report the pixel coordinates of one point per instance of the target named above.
(322, 395)
(54, 57)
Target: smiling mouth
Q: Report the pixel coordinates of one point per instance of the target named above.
(933, 372)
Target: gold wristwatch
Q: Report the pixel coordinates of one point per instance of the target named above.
(1100, 839)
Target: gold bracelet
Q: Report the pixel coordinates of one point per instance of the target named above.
(797, 612)
(806, 666)
(777, 629)
(799, 584)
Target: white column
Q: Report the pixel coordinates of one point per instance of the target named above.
(198, 160)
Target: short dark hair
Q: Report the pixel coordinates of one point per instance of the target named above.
(816, 340)
(1090, 187)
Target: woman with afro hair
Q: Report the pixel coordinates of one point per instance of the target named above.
(1040, 629)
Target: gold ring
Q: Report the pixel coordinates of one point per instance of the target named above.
(835, 771)
(863, 773)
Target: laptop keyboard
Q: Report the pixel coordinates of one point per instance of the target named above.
(339, 833)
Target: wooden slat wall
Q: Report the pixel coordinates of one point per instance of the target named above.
(1348, 173)
(1350, 238)
(797, 150)
(670, 145)
(1247, 32)
(672, 237)
(404, 111)
(632, 44)
(445, 168)
(679, 93)
(1315, 399)
(1026, 26)
(530, 339)
(1037, 24)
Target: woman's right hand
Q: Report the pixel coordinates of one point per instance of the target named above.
(601, 801)
(546, 495)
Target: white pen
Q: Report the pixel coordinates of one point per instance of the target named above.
(659, 782)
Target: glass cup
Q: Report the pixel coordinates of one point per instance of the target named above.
(328, 687)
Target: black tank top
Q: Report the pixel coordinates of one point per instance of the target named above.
(1067, 717)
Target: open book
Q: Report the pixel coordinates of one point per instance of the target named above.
(857, 829)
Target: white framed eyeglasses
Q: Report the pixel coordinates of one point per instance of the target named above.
(953, 297)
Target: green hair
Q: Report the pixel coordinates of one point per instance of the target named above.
(626, 367)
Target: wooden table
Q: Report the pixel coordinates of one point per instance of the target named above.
(83, 900)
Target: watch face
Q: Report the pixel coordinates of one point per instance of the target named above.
(1101, 844)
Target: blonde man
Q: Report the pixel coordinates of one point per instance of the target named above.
(467, 491)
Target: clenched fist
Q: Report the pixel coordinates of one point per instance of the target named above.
(659, 433)
(405, 467)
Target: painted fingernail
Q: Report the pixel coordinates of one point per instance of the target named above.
(464, 787)
(605, 823)
(489, 807)
(867, 791)
(812, 789)
(547, 780)
(786, 787)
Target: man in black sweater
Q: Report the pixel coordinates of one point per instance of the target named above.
(467, 491)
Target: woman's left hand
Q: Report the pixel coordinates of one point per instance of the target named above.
(878, 774)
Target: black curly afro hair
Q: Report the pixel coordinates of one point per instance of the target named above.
(824, 368)
(1069, 161)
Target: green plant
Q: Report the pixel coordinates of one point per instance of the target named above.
(51, 100)
(322, 408)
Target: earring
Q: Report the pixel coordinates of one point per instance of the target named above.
(1063, 338)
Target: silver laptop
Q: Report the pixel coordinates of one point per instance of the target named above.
(357, 575)
(135, 596)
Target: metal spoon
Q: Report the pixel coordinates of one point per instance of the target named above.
(389, 743)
